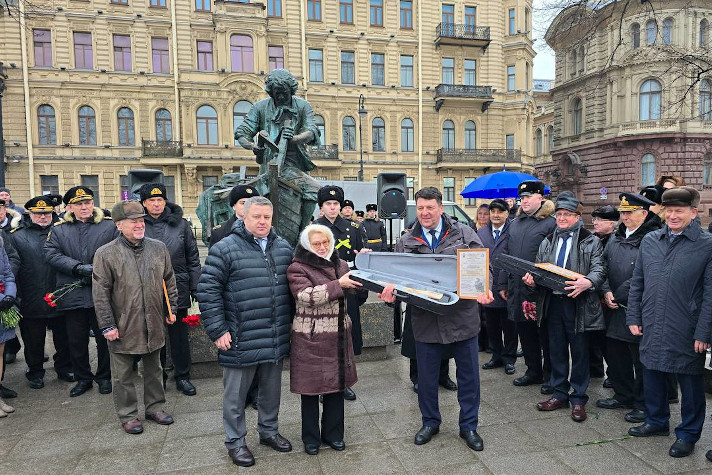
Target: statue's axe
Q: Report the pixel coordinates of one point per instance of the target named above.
(263, 139)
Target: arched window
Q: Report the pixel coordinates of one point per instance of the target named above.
(470, 135)
(242, 54)
(348, 133)
(207, 125)
(647, 170)
(550, 134)
(577, 116)
(707, 172)
(539, 142)
(650, 97)
(704, 33)
(378, 134)
(125, 117)
(635, 35)
(667, 31)
(87, 126)
(651, 31)
(407, 135)
(449, 135)
(239, 111)
(706, 99)
(319, 122)
(164, 126)
(47, 125)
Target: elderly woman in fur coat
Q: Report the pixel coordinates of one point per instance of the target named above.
(322, 356)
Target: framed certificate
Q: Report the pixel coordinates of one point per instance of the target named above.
(472, 273)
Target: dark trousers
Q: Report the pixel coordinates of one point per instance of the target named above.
(79, 321)
(626, 370)
(180, 347)
(444, 368)
(498, 326)
(562, 339)
(597, 352)
(12, 346)
(535, 344)
(353, 302)
(332, 419)
(34, 331)
(483, 336)
(468, 381)
(692, 404)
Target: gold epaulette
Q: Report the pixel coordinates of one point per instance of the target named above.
(13, 230)
(61, 221)
(217, 227)
(354, 224)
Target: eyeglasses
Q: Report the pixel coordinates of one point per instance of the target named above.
(319, 244)
(601, 220)
(565, 215)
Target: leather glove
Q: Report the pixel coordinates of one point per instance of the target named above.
(84, 270)
(193, 297)
(7, 302)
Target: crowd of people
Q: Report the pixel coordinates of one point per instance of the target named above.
(637, 308)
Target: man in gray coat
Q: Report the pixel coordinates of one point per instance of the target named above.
(670, 305)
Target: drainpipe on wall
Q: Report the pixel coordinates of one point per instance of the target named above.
(26, 90)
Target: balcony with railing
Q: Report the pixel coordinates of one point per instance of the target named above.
(462, 35)
(325, 152)
(478, 155)
(649, 127)
(162, 149)
(481, 94)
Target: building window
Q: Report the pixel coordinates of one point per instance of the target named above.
(511, 19)
(346, 11)
(83, 56)
(707, 172)
(274, 8)
(125, 118)
(647, 170)
(582, 60)
(348, 59)
(448, 65)
(122, 53)
(470, 201)
(448, 189)
(124, 188)
(242, 54)
(550, 134)
(635, 33)
(170, 183)
(158, 3)
(376, 12)
(87, 126)
(321, 127)
(378, 135)
(470, 19)
(511, 78)
(449, 135)
(470, 135)
(49, 184)
(378, 69)
(410, 184)
(348, 133)
(47, 125)
(448, 14)
(406, 71)
(704, 33)
(651, 31)
(209, 181)
(705, 99)
(92, 182)
(577, 116)
(667, 31)
(276, 57)
(207, 125)
(239, 112)
(205, 55)
(539, 142)
(164, 126)
(43, 47)
(316, 65)
(407, 135)
(202, 5)
(314, 10)
(527, 76)
(120, 2)
(509, 141)
(159, 51)
(470, 72)
(406, 14)
(650, 99)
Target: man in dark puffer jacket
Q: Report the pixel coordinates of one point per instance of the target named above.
(247, 308)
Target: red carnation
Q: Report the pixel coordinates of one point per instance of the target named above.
(191, 320)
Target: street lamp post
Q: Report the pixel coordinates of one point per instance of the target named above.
(2, 136)
(361, 113)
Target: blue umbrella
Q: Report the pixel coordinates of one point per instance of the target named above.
(497, 185)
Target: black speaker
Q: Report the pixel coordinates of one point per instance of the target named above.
(392, 190)
(141, 176)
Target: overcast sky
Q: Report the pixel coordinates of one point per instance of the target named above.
(544, 60)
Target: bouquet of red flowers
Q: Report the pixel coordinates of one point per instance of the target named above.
(191, 320)
(529, 310)
(9, 317)
(52, 297)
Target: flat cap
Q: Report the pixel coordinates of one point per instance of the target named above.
(152, 190)
(241, 191)
(606, 212)
(530, 187)
(681, 196)
(127, 210)
(330, 192)
(77, 194)
(568, 202)
(633, 201)
(500, 204)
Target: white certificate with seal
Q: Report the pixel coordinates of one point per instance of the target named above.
(472, 273)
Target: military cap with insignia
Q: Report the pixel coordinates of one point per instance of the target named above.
(606, 212)
(530, 187)
(654, 193)
(40, 204)
(330, 192)
(500, 204)
(152, 190)
(681, 196)
(348, 203)
(241, 191)
(76, 194)
(633, 201)
(359, 213)
(371, 207)
(56, 200)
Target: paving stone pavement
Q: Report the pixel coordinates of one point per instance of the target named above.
(51, 433)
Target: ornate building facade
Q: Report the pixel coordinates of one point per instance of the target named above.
(96, 88)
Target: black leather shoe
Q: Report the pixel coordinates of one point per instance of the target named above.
(241, 456)
(68, 377)
(349, 394)
(186, 387)
(7, 393)
(336, 445)
(646, 430)
(681, 448)
(37, 383)
(425, 433)
(708, 455)
(526, 380)
(509, 369)
(449, 384)
(80, 388)
(104, 386)
(415, 388)
(607, 383)
(636, 415)
(491, 364)
(472, 439)
(611, 403)
(10, 358)
(277, 442)
(546, 389)
(311, 449)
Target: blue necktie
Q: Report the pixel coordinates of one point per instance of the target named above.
(433, 239)
(496, 235)
(561, 259)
